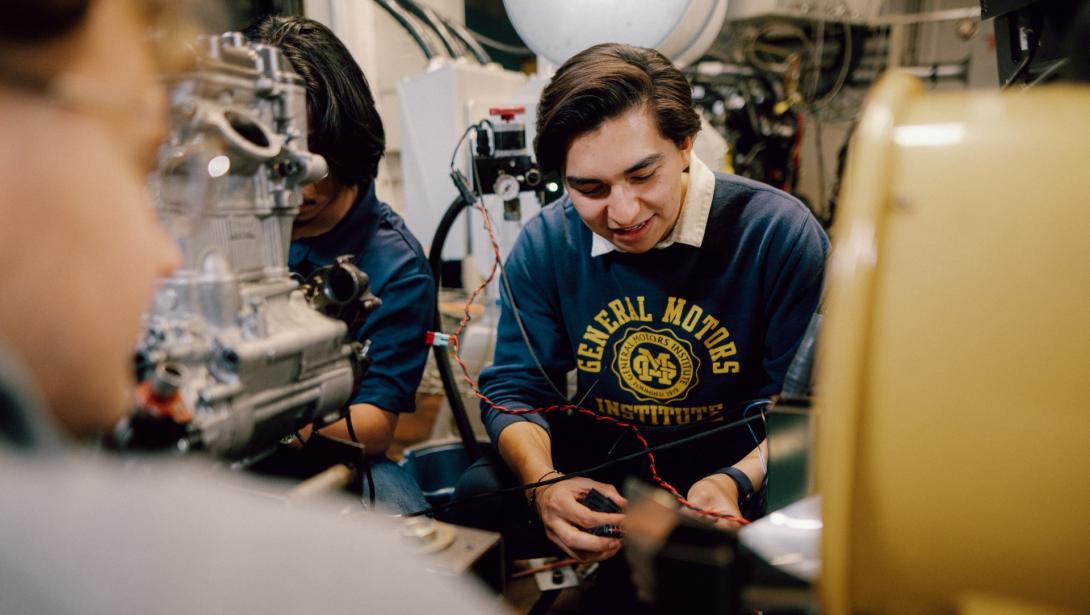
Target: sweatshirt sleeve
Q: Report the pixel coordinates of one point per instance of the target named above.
(396, 330)
(515, 380)
(793, 287)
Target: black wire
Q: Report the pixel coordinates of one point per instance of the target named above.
(435, 260)
(458, 146)
(365, 463)
(607, 464)
(514, 305)
(1058, 64)
(351, 429)
(1018, 72)
(762, 503)
(503, 270)
(617, 442)
(370, 482)
(525, 335)
(1023, 66)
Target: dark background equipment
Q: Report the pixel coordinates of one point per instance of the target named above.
(1034, 38)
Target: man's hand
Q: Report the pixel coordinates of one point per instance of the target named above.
(717, 493)
(565, 517)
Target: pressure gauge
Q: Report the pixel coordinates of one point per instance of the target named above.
(506, 187)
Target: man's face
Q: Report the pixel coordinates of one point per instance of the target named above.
(627, 181)
(317, 198)
(90, 247)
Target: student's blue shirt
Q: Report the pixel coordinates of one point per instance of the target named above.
(400, 276)
(671, 337)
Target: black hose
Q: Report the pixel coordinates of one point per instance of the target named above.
(442, 361)
(410, 25)
(433, 21)
(467, 39)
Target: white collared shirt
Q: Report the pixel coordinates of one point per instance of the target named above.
(691, 221)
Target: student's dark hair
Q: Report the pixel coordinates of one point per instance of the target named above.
(604, 82)
(344, 125)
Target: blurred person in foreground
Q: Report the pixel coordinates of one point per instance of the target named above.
(82, 112)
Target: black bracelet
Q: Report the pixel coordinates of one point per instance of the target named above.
(533, 490)
(745, 486)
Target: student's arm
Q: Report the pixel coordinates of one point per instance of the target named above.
(515, 381)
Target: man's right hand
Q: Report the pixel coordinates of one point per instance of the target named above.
(565, 517)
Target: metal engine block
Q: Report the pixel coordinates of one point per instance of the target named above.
(236, 351)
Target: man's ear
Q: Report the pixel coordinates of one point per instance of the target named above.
(687, 150)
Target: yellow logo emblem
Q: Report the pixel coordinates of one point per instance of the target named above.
(654, 365)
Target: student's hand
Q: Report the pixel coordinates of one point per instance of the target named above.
(717, 493)
(564, 517)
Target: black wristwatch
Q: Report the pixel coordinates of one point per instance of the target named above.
(745, 486)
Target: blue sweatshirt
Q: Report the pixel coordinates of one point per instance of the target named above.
(669, 340)
(400, 276)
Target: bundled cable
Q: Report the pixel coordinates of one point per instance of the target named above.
(411, 25)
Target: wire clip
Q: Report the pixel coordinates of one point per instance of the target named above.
(434, 338)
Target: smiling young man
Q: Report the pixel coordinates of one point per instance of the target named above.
(675, 293)
(342, 215)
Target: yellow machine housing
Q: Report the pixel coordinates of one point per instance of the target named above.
(953, 386)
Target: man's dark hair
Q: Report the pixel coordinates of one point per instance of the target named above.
(344, 125)
(604, 82)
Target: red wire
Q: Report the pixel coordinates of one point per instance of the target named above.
(454, 338)
(796, 150)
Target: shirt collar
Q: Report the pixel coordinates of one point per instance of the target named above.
(691, 221)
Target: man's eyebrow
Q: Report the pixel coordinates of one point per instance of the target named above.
(573, 180)
(581, 181)
(646, 162)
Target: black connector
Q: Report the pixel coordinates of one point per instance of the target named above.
(484, 145)
(462, 184)
(597, 502)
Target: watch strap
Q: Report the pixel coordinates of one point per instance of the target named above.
(745, 486)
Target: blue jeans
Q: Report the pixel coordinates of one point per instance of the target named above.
(396, 491)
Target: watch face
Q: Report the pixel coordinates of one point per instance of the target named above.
(506, 187)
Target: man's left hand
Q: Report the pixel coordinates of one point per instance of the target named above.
(717, 493)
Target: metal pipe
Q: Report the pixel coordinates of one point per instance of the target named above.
(411, 26)
(927, 17)
(430, 18)
(468, 40)
(949, 71)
